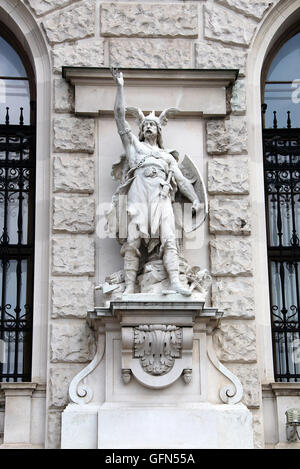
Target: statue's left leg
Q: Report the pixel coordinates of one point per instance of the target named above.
(169, 245)
(171, 263)
(131, 265)
(130, 251)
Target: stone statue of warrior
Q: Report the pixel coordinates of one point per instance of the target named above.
(153, 176)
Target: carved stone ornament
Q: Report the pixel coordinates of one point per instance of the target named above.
(156, 354)
(187, 376)
(231, 393)
(157, 346)
(79, 391)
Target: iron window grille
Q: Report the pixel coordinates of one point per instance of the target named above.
(17, 202)
(281, 149)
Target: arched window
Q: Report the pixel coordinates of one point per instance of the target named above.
(282, 86)
(17, 208)
(281, 142)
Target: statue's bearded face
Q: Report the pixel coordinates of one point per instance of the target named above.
(150, 128)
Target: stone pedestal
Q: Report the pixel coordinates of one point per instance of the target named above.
(22, 427)
(200, 425)
(155, 381)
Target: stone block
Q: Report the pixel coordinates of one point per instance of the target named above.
(200, 426)
(149, 19)
(234, 296)
(235, 341)
(60, 377)
(54, 429)
(238, 100)
(73, 173)
(63, 96)
(79, 427)
(227, 136)
(249, 377)
(258, 428)
(41, 7)
(215, 56)
(254, 8)
(150, 53)
(217, 138)
(74, 214)
(82, 54)
(73, 134)
(230, 257)
(71, 342)
(227, 26)
(72, 23)
(73, 255)
(228, 176)
(72, 297)
(229, 215)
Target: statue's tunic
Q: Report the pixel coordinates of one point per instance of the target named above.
(151, 214)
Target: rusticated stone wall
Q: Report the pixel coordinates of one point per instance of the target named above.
(149, 34)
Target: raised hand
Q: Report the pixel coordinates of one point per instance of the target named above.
(117, 76)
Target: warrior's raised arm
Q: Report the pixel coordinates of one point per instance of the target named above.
(119, 110)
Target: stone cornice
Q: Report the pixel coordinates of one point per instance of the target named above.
(197, 77)
(282, 389)
(195, 92)
(18, 388)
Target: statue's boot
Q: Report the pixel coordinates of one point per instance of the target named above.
(176, 285)
(131, 265)
(171, 262)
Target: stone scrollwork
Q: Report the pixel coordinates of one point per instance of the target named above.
(157, 347)
(230, 394)
(79, 391)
